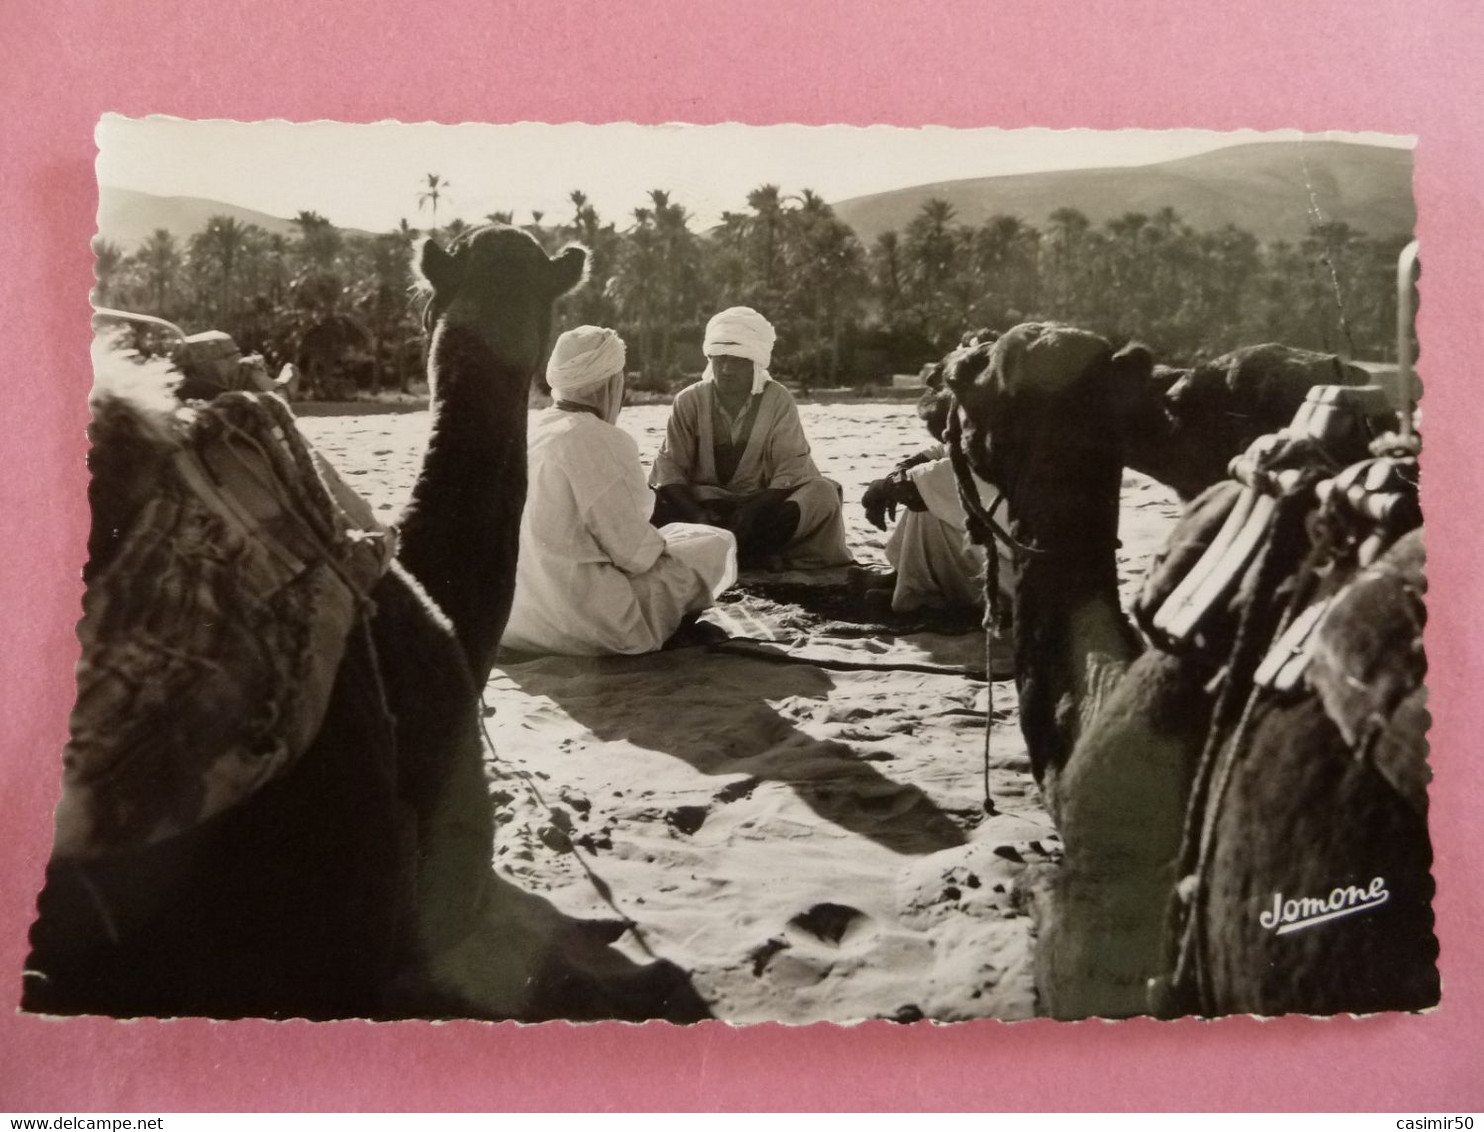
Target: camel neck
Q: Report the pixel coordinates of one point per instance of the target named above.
(461, 531)
(1072, 645)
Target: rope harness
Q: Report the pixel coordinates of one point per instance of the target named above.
(984, 531)
(600, 886)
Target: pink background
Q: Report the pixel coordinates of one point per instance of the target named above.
(1410, 68)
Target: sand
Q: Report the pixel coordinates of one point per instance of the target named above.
(801, 830)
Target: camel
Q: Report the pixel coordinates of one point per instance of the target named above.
(1291, 798)
(1182, 426)
(337, 889)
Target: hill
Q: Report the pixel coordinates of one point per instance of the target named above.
(1267, 188)
(127, 217)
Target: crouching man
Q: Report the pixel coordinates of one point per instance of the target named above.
(934, 566)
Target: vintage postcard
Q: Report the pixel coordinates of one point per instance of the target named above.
(761, 573)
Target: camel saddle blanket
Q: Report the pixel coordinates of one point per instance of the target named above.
(212, 637)
(1366, 664)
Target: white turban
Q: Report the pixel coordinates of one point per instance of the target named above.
(583, 357)
(742, 333)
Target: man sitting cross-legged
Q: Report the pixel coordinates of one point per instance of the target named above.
(735, 455)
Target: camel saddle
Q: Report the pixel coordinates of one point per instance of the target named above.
(1187, 601)
(212, 638)
(1354, 634)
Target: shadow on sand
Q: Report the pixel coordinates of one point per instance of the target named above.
(634, 699)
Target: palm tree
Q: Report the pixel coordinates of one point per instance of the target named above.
(320, 241)
(767, 202)
(380, 295)
(635, 283)
(159, 257)
(932, 254)
(1067, 232)
(1004, 251)
(279, 275)
(825, 282)
(728, 269)
(431, 195)
(219, 246)
(889, 277)
(682, 269)
(108, 261)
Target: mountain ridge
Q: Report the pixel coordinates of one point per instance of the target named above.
(1270, 189)
(128, 217)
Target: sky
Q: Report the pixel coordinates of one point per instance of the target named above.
(369, 175)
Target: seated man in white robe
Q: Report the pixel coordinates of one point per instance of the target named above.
(934, 564)
(735, 455)
(594, 576)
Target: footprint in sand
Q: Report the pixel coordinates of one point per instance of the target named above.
(831, 923)
(853, 714)
(596, 842)
(887, 801)
(737, 791)
(760, 955)
(687, 819)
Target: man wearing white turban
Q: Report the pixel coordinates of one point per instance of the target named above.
(594, 576)
(735, 455)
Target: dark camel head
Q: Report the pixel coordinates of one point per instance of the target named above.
(1036, 419)
(498, 282)
(1184, 426)
(936, 401)
(933, 408)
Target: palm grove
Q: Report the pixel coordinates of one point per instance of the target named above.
(846, 313)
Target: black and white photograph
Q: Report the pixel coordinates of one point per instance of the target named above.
(756, 573)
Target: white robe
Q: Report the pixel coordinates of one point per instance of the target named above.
(935, 564)
(593, 576)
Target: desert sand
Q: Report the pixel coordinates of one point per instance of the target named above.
(794, 817)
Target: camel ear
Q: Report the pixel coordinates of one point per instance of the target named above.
(963, 366)
(1134, 360)
(1131, 385)
(437, 268)
(569, 269)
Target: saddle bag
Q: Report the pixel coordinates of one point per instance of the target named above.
(212, 635)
